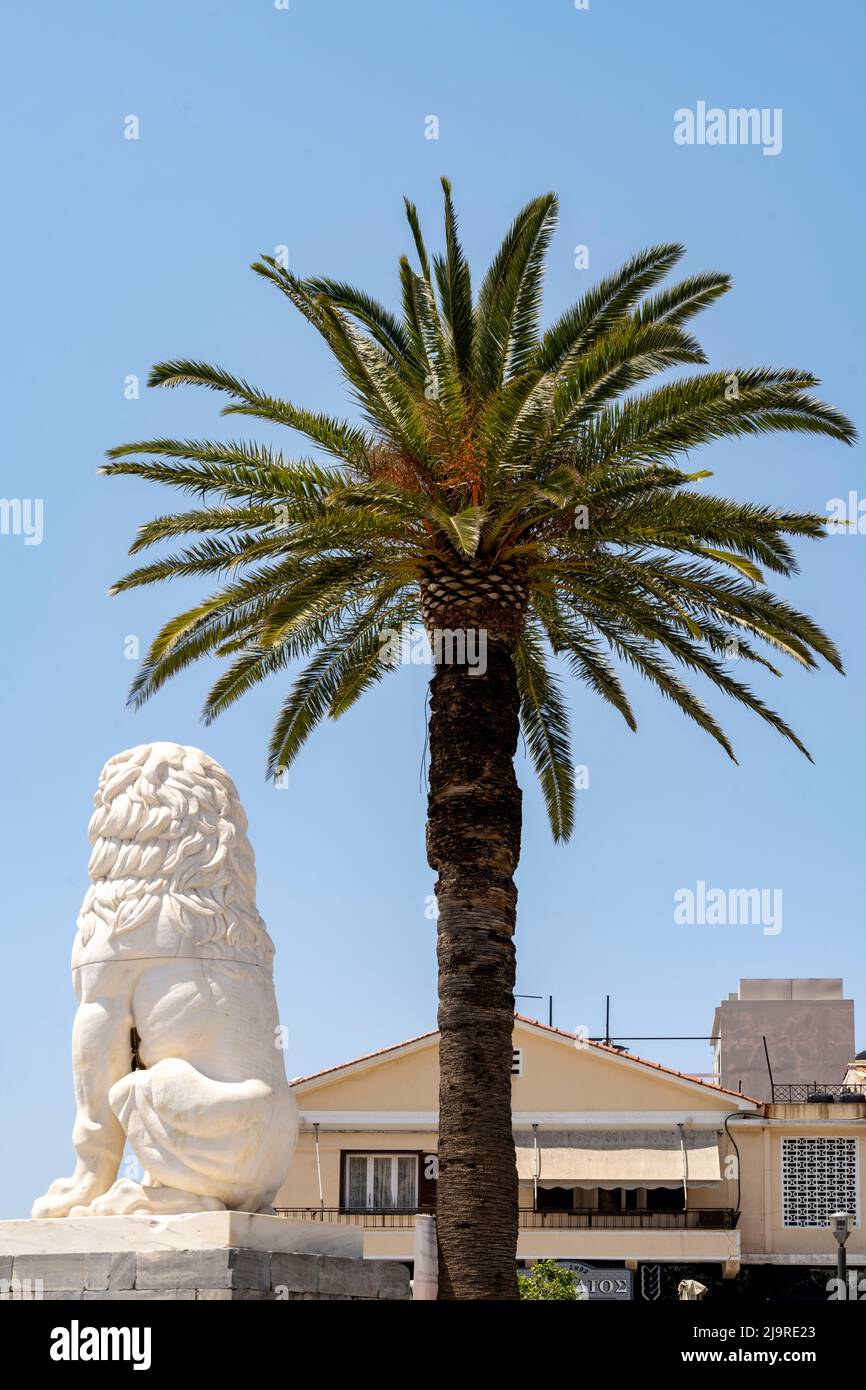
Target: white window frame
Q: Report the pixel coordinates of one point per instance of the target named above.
(795, 1138)
(369, 1155)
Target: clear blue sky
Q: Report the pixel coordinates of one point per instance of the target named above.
(261, 127)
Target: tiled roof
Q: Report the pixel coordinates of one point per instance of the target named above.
(365, 1057)
(633, 1057)
(384, 1052)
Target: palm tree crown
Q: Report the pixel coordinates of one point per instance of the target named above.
(504, 475)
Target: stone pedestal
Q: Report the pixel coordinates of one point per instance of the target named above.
(210, 1255)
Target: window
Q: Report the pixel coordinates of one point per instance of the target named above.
(611, 1200)
(819, 1177)
(517, 1061)
(555, 1199)
(381, 1182)
(664, 1199)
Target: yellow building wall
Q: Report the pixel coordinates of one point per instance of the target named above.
(407, 1082)
(301, 1188)
(761, 1223)
(557, 1076)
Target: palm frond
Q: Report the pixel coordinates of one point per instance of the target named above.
(602, 307)
(455, 287)
(544, 720)
(509, 300)
(336, 437)
(486, 443)
(681, 302)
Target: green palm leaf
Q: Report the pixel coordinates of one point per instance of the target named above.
(544, 720)
(488, 447)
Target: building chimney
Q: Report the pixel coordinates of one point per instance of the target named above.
(809, 1028)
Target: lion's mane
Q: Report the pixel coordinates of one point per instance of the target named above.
(169, 823)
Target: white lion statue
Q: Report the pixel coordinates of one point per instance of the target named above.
(176, 1042)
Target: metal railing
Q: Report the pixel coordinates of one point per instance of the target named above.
(589, 1219)
(799, 1093)
(390, 1218)
(640, 1219)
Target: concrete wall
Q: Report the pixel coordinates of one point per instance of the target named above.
(810, 1037)
(198, 1275)
(760, 1145)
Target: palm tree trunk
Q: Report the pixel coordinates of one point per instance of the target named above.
(473, 842)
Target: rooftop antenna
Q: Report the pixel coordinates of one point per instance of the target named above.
(607, 1019)
(548, 997)
(769, 1068)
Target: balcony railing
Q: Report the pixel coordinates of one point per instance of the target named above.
(391, 1218)
(816, 1091)
(589, 1219)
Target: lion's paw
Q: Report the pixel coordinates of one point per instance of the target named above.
(128, 1198)
(66, 1196)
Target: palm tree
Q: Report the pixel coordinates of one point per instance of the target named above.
(507, 482)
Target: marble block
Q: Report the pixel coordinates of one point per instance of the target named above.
(198, 1231)
(199, 1271)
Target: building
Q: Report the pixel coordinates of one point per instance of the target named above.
(809, 1030)
(625, 1166)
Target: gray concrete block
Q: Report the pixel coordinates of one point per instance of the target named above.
(231, 1295)
(296, 1273)
(213, 1275)
(207, 1269)
(169, 1269)
(252, 1270)
(5, 1266)
(139, 1295)
(122, 1270)
(109, 1270)
(350, 1277)
(63, 1271)
(96, 1267)
(393, 1280)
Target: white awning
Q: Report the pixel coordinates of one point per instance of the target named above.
(628, 1158)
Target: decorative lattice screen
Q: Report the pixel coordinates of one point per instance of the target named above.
(819, 1177)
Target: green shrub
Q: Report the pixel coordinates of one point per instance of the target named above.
(546, 1280)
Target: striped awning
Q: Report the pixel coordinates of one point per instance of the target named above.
(622, 1158)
